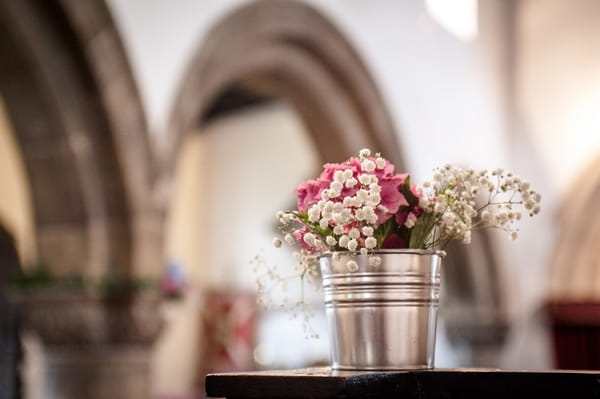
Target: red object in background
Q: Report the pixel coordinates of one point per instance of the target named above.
(228, 331)
(576, 334)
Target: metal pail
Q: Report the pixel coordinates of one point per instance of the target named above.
(382, 317)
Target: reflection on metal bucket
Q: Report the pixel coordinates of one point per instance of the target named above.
(382, 317)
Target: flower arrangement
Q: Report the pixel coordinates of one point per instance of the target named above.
(361, 205)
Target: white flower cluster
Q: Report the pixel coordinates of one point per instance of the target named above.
(345, 222)
(458, 201)
(270, 279)
(353, 217)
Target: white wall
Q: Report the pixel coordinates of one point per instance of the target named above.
(15, 203)
(558, 79)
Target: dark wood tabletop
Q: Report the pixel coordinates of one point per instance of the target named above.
(321, 383)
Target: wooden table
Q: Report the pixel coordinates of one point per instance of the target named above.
(321, 383)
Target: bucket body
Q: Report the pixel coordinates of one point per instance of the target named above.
(382, 317)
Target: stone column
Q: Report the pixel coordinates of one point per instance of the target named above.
(94, 348)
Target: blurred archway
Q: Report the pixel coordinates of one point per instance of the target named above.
(72, 102)
(288, 50)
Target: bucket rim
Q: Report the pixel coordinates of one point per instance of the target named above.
(413, 251)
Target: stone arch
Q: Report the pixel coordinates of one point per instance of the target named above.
(10, 345)
(79, 124)
(288, 50)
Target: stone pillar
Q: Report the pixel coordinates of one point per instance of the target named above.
(99, 373)
(93, 347)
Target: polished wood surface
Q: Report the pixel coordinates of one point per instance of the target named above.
(321, 383)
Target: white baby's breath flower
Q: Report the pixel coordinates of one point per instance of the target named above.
(354, 233)
(336, 186)
(343, 241)
(367, 165)
(375, 188)
(380, 162)
(339, 176)
(360, 214)
(364, 179)
(513, 235)
(352, 245)
(364, 251)
(309, 238)
(338, 218)
(439, 207)
(367, 231)
(362, 195)
(347, 214)
(486, 216)
(276, 242)
(338, 229)
(374, 198)
(517, 215)
(331, 241)
(289, 239)
(364, 153)
(467, 237)
(324, 223)
(370, 242)
(314, 215)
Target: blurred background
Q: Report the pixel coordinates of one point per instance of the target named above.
(145, 146)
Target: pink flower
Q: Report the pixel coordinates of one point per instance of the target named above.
(415, 191)
(391, 197)
(299, 236)
(393, 242)
(309, 192)
(401, 218)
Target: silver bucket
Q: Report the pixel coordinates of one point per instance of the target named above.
(382, 317)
